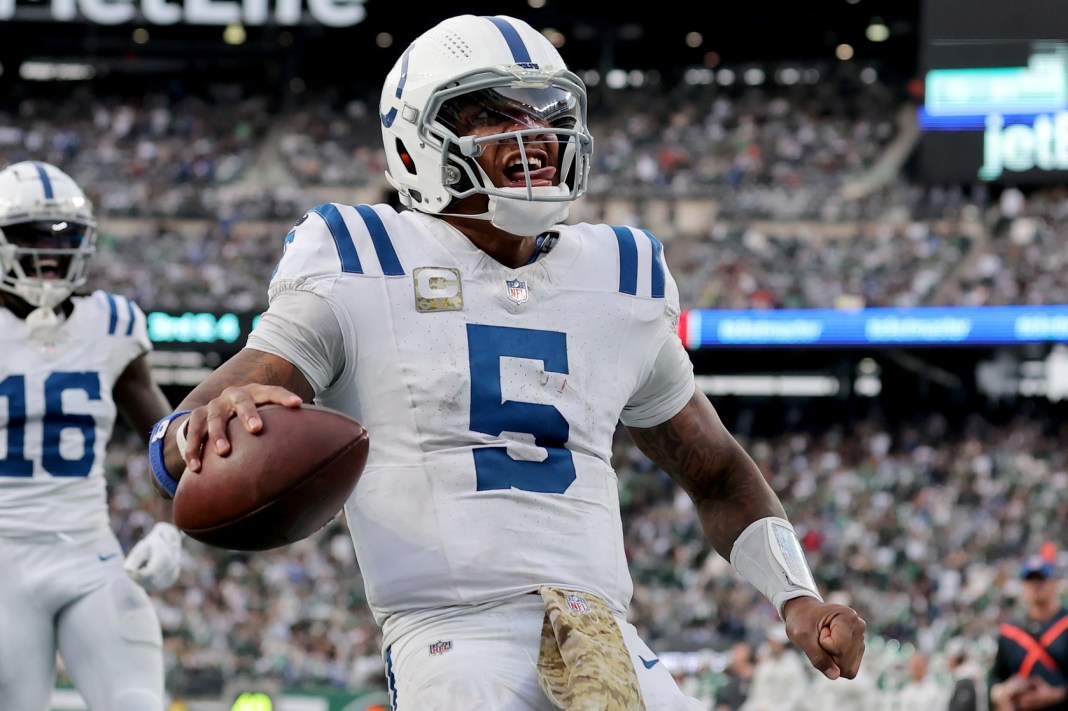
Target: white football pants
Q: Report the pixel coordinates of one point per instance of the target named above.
(72, 594)
(486, 658)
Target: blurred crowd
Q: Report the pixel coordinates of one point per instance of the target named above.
(753, 191)
(920, 526)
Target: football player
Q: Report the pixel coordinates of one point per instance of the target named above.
(491, 349)
(67, 363)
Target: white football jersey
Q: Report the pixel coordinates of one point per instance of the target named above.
(491, 396)
(57, 413)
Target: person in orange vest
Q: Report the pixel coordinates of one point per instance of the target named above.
(1030, 670)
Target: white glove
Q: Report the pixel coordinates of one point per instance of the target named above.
(156, 559)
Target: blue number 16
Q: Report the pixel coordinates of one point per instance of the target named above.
(494, 468)
(13, 389)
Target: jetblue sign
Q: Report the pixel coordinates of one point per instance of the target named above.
(1020, 112)
(332, 13)
(1042, 144)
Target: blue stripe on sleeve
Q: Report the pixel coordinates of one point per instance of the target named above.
(285, 245)
(515, 43)
(45, 181)
(391, 681)
(658, 266)
(113, 318)
(346, 250)
(130, 315)
(628, 261)
(387, 256)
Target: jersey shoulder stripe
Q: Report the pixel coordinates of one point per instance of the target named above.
(383, 245)
(361, 239)
(641, 263)
(122, 315)
(628, 261)
(339, 231)
(657, 279)
(285, 244)
(116, 316)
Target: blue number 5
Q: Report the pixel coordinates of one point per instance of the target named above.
(13, 389)
(494, 468)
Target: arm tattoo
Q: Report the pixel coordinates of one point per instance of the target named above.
(269, 371)
(726, 486)
(250, 366)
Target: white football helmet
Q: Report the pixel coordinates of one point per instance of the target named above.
(47, 233)
(507, 69)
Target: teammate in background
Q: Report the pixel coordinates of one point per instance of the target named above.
(491, 349)
(1030, 669)
(66, 362)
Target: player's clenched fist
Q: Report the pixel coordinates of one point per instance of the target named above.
(830, 635)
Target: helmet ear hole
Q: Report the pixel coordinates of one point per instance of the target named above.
(406, 158)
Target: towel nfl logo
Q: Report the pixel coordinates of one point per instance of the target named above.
(577, 603)
(517, 290)
(437, 648)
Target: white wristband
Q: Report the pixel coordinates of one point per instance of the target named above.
(179, 437)
(769, 556)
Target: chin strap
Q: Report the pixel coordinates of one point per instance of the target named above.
(520, 216)
(42, 319)
(523, 217)
(43, 293)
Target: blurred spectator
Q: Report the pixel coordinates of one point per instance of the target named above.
(780, 678)
(739, 673)
(969, 687)
(840, 694)
(921, 690)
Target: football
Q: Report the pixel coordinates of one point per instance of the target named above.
(274, 487)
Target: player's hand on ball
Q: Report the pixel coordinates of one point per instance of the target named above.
(831, 636)
(207, 424)
(156, 560)
(277, 485)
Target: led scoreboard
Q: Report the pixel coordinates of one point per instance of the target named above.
(188, 346)
(995, 104)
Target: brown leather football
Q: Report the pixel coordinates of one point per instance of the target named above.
(277, 486)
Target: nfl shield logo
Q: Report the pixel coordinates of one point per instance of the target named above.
(577, 602)
(440, 647)
(517, 290)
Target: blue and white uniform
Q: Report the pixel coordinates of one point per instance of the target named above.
(58, 414)
(491, 396)
(63, 582)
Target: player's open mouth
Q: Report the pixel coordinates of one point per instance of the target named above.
(45, 269)
(516, 174)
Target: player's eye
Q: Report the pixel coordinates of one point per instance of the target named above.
(489, 116)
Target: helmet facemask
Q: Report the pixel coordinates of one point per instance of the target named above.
(47, 234)
(43, 261)
(543, 124)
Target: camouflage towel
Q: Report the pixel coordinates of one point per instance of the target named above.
(584, 664)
